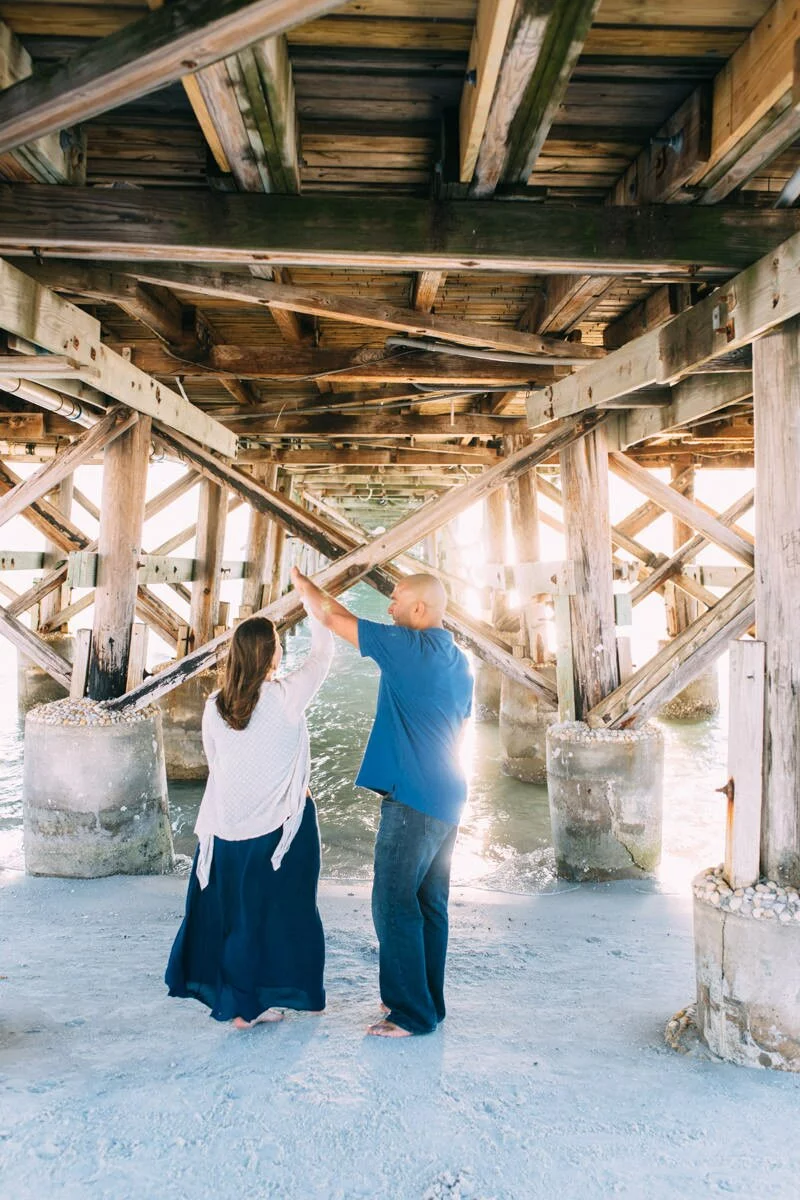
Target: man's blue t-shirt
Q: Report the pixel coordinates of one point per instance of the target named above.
(425, 696)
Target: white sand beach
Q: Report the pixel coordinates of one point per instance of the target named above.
(550, 1077)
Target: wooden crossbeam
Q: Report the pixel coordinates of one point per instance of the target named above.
(364, 366)
(49, 159)
(228, 286)
(352, 566)
(682, 660)
(35, 648)
(187, 225)
(694, 397)
(141, 58)
(756, 300)
(543, 44)
(680, 506)
(47, 477)
(379, 456)
(33, 312)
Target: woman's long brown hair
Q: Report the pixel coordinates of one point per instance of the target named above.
(249, 658)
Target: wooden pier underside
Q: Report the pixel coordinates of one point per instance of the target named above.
(348, 255)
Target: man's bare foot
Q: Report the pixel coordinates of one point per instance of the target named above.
(387, 1029)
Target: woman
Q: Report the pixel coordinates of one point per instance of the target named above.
(251, 942)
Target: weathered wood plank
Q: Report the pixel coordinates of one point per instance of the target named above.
(745, 763)
(225, 285)
(49, 476)
(584, 488)
(210, 540)
(492, 25)
(34, 648)
(141, 58)
(756, 300)
(694, 397)
(37, 314)
(776, 404)
(677, 504)
(333, 230)
(118, 546)
(681, 661)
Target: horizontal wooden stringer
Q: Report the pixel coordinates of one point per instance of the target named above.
(172, 225)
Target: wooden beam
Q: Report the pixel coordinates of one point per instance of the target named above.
(37, 314)
(186, 225)
(656, 309)
(226, 286)
(694, 397)
(543, 46)
(569, 298)
(141, 58)
(355, 564)
(426, 285)
(584, 473)
(776, 372)
(681, 661)
(211, 520)
(35, 648)
(764, 295)
(118, 546)
(677, 504)
(492, 26)
(49, 476)
(365, 366)
(49, 159)
(671, 567)
(331, 426)
(378, 456)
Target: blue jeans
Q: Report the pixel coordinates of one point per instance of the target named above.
(409, 909)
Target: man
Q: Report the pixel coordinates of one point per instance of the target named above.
(412, 761)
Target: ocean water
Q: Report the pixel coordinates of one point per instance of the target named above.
(504, 842)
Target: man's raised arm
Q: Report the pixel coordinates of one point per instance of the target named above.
(327, 610)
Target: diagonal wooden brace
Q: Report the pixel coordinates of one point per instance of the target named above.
(355, 564)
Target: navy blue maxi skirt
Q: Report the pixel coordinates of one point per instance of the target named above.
(252, 939)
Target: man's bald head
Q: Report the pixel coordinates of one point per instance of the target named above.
(418, 602)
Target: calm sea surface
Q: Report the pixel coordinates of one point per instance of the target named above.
(505, 836)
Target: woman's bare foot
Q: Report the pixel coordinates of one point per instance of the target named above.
(269, 1016)
(387, 1029)
(384, 1007)
(240, 1023)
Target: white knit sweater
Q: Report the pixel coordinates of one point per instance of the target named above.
(258, 776)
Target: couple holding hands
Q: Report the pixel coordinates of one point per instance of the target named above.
(251, 943)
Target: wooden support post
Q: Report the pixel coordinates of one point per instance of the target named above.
(61, 498)
(681, 609)
(80, 664)
(118, 546)
(260, 535)
(495, 538)
(210, 544)
(274, 564)
(776, 402)
(523, 508)
(584, 471)
(745, 758)
(138, 656)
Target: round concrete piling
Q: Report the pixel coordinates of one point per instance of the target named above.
(182, 717)
(486, 699)
(35, 686)
(747, 959)
(605, 788)
(524, 721)
(697, 701)
(94, 792)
